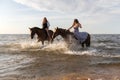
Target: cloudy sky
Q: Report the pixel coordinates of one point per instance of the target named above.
(96, 16)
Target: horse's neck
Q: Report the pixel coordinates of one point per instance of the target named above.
(38, 32)
(64, 35)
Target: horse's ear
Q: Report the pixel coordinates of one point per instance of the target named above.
(29, 28)
(56, 28)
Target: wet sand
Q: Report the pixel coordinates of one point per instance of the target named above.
(46, 65)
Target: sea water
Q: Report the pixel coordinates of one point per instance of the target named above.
(22, 58)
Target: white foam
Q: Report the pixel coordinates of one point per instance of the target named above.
(29, 44)
(73, 48)
(56, 46)
(98, 48)
(89, 51)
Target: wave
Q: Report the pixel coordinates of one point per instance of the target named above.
(57, 47)
(101, 45)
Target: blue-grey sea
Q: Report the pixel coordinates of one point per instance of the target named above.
(22, 58)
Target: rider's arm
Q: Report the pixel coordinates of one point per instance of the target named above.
(80, 25)
(71, 26)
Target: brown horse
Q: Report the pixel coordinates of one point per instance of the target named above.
(42, 36)
(65, 33)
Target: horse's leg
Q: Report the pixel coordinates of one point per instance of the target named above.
(51, 34)
(51, 41)
(48, 41)
(82, 44)
(88, 41)
(42, 42)
(38, 40)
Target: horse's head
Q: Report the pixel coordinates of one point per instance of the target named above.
(60, 31)
(56, 33)
(32, 32)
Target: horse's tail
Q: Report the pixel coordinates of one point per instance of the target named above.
(88, 40)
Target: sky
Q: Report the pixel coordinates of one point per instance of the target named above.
(95, 16)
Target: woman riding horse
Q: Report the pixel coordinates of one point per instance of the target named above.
(66, 33)
(45, 26)
(40, 34)
(81, 36)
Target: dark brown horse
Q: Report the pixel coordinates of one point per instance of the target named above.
(65, 33)
(41, 34)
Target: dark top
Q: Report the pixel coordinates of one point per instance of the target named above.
(45, 26)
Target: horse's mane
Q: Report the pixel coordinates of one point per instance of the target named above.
(62, 29)
(66, 31)
(36, 28)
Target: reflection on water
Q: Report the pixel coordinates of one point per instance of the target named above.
(9, 63)
(36, 65)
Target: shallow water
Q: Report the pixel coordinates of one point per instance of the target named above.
(24, 59)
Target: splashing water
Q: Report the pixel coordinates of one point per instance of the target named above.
(102, 45)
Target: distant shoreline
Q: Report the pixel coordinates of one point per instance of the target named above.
(91, 34)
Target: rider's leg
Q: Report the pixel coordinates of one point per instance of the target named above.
(48, 33)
